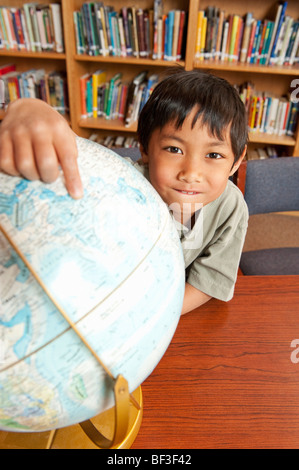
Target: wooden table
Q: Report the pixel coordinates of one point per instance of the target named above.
(228, 380)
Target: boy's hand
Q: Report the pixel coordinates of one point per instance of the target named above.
(35, 140)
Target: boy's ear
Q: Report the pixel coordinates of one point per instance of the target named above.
(144, 155)
(238, 162)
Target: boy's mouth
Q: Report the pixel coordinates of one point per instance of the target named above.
(189, 193)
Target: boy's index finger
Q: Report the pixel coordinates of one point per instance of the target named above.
(69, 165)
(72, 177)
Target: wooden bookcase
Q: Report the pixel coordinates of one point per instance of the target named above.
(266, 78)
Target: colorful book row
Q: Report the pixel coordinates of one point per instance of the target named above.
(268, 113)
(34, 27)
(115, 98)
(247, 39)
(50, 87)
(137, 32)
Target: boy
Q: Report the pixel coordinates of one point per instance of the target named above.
(193, 136)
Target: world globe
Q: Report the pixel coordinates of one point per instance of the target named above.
(89, 288)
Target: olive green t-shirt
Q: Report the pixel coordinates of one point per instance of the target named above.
(213, 247)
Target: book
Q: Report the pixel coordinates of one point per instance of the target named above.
(251, 40)
(200, 16)
(219, 35)
(265, 50)
(6, 68)
(134, 33)
(294, 49)
(181, 38)
(292, 40)
(98, 78)
(112, 83)
(55, 15)
(3, 32)
(280, 59)
(18, 30)
(147, 22)
(150, 85)
(223, 55)
(234, 29)
(123, 46)
(132, 94)
(8, 23)
(175, 39)
(88, 21)
(124, 15)
(83, 94)
(169, 38)
(122, 101)
(157, 20)
(277, 31)
(140, 32)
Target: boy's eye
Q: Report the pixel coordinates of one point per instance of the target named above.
(214, 155)
(172, 149)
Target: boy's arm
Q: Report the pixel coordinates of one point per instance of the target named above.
(193, 298)
(35, 140)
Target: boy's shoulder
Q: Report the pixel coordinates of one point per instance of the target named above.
(230, 204)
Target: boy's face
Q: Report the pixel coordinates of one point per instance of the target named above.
(189, 167)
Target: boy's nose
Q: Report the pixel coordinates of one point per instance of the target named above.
(190, 172)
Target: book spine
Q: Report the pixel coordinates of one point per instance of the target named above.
(291, 43)
(94, 29)
(12, 42)
(41, 30)
(295, 48)
(147, 32)
(19, 30)
(35, 30)
(285, 42)
(140, 32)
(157, 20)
(124, 12)
(255, 41)
(135, 33)
(122, 38)
(4, 69)
(181, 34)
(277, 33)
(251, 40)
(246, 37)
(265, 51)
(5, 42)
(200, 16)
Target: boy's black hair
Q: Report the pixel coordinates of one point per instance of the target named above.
(218, 102)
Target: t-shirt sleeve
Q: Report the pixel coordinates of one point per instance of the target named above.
(215, 271)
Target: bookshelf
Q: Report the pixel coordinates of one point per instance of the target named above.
(275, 78)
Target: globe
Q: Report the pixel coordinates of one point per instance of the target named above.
(102, 274)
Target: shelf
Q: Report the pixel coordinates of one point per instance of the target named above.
(105, 124)
(33, 55)
(127, 60)
(271, 139)
(238, 67)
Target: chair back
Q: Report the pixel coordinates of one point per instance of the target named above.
(271, 185)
